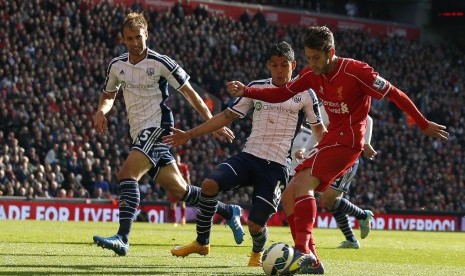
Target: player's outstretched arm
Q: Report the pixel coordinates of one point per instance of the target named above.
(196, 101)
(217, 122)
(429, 128)
(269, 94)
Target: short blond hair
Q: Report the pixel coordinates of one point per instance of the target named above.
(134, 20)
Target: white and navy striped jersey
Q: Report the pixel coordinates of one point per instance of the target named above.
(145, 88)
(275, 125)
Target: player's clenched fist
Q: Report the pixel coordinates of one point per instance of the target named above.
(236, 88)
(100, 121)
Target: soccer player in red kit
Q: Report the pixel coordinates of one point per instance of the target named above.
(345, 87)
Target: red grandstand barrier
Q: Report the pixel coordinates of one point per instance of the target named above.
(289, 17)
(157, 213)
(412, 222)
(65, 211)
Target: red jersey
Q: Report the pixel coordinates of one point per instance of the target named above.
(346, 95)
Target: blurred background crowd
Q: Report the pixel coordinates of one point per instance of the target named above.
(53, 57)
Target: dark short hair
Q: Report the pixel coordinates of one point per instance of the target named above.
(318, 38)
(281, 49)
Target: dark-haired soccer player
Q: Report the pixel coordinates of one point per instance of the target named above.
(346, 87)
(264, 161)
(144, 75)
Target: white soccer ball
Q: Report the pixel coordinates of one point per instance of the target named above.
(276, 258)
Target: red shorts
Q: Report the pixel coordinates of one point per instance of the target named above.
(329, 161)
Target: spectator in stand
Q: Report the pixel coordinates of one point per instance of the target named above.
(53, 189)
(178, 10)
(351, 8)
(61, 193)
(260, 18)
(209, 102)
(101, 184)
(59, 177)
(98, 194)
(70, 193)
(201, 12)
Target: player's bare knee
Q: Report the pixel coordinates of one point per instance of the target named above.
(209, 187)
(328, 198)
(254, 228)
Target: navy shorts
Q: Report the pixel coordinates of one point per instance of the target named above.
(149, 142)
(342, 183)
(268, 179)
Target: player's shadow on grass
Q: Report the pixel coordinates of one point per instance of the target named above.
(132, 244)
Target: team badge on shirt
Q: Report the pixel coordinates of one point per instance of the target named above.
(150, 71)
(297, 98)
(379, 83)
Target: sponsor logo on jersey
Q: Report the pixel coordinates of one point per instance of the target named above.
(297, 98)
(379, 83)
(272, 107)
(336, 107)
(150, 71)
(125, 85)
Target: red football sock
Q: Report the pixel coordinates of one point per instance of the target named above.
(173, 214)
(311, 245)
(290, 222)
(304, 217)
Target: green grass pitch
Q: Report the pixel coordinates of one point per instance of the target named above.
(65, 248)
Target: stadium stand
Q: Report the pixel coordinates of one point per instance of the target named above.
(53, 57)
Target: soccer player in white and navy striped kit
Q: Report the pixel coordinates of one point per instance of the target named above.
(264, 162)
(144, 75)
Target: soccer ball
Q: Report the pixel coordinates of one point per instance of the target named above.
(276, 258)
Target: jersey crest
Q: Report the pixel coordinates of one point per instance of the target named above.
(150, 71)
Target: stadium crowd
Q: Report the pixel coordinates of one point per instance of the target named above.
(355, 8)
(53, 57)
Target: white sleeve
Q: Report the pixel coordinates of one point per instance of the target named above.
(324, 116)
(112, 82)
(311, 107)
(304, 139)
(242, 106)
(310, 143)
(369, 130)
